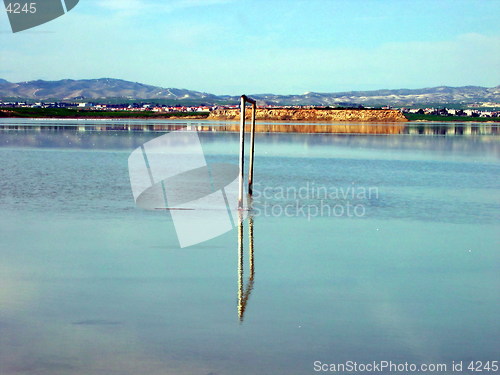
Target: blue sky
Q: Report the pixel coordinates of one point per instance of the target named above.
(273, 46)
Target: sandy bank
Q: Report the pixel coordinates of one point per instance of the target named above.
(313, 115)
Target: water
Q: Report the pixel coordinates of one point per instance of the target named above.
(414, 128)
(92, 285)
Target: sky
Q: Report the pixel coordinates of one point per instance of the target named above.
(269, 46)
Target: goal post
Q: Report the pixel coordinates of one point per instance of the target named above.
(244, 100)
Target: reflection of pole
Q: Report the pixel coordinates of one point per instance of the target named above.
(242, 150)
(250, 243)
(244, 294)
(252, 142)
(240, 265)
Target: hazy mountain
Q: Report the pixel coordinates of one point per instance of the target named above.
(401, 97)
(105, 88)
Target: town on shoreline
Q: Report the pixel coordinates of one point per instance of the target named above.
(63, 109)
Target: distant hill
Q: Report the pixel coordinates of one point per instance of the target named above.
(401, 97)
(107, 88)
(104, 88)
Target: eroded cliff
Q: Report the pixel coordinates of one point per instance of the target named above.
(330, 115)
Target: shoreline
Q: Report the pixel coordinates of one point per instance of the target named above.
(109, 118)
(452, 121)
(152, 118)
(367, 116)
(93, 116)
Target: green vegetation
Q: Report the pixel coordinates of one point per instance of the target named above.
(81, 113)
(438, 118)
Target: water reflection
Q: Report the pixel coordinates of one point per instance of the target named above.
(448, 128)
(244, 292)
(426, 138)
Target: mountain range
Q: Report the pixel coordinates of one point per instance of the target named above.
(107, 88)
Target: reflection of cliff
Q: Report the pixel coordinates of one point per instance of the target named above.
(485, 137)
(331, 115)
(345, 128)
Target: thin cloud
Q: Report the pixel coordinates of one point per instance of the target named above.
(135, 7)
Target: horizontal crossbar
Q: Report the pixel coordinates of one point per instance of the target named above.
(247, 99)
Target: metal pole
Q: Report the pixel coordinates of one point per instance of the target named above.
(242, 150)
(244, 295)
(252, 142)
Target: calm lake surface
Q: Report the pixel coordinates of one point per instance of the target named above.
(91, 284)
